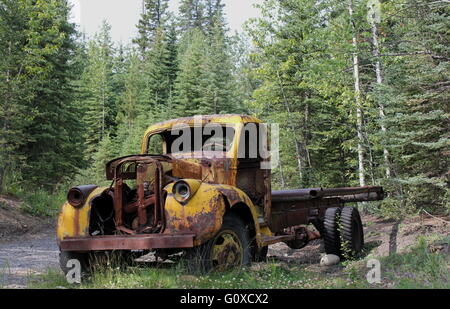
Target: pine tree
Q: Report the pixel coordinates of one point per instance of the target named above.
(416, 97)
(171, 41)
(188, 85)
(131, 100)
(153, 17)
(100, 109)
(14, 88)
(219, 82)
(214, 16)
(53, 128)
(192, 15)
(157, 71)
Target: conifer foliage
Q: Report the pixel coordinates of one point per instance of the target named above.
(359, 88)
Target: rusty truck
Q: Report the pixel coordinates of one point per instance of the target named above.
(210, 202)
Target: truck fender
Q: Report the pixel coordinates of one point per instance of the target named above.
(238, 201)
(74, 221)
(203, 213)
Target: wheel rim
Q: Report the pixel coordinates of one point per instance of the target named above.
(226, 251)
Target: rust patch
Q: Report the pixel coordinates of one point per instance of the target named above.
(204, 225)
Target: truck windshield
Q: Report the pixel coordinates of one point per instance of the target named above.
(212, 138)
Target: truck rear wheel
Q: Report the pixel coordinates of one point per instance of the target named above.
(352, 233)
(229, 248)
(331, 235)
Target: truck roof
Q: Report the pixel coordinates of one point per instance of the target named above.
(221, 119)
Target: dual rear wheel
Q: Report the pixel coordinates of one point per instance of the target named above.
(343, 232)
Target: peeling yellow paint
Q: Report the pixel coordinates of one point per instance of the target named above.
(74, 222)
(203, 213)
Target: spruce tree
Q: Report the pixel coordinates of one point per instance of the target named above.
(100, 102)
(192, 15)
(188, 85)
(214, 16)
(153, 17)
(53, 128)
(14, 86)
(416, 96)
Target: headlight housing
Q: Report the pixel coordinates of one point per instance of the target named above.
(184, 190)
(77, 196)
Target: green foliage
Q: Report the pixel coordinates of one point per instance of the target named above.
(14, 85)
(42, 204)
(419, 268)
(192, 14)
(302, 66)
(68, 105)
(153, 17)
(40, 62)
(417, 104)
(97, 84)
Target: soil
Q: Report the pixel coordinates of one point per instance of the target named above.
(382, 238)
(14, 222)
(28, 244)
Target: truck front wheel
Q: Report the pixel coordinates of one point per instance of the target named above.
(229, 248)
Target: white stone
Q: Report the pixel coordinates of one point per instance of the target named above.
(329, 260)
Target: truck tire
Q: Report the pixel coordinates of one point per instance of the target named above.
(331, 237)
(260, 256)
(229, 248)
(352, 233)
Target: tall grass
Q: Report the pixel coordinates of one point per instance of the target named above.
(36, 201)
(419, 268)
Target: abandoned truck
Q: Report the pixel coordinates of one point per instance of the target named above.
(208, 200)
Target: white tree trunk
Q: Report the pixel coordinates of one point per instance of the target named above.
(359, 112)
(376, 53)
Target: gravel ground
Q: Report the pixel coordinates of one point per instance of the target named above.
(27, 255)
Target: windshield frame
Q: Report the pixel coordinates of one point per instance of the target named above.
(165, 133)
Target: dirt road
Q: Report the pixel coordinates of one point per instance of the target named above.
(29, 254)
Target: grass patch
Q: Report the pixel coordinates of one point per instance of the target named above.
(36, 201)
(39, 202)
(42, 203)
(267, 276)
(419, 268)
